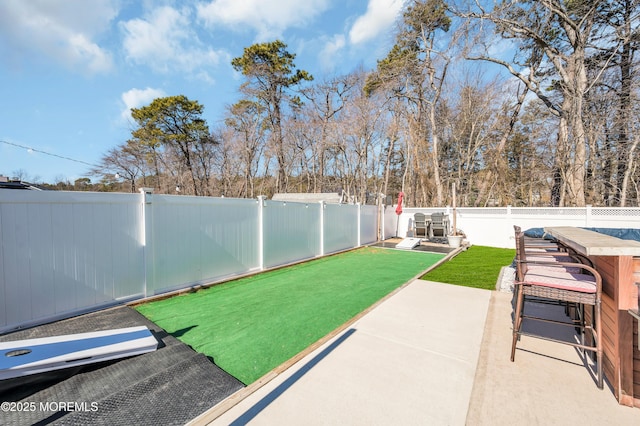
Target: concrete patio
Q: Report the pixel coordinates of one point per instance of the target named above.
(432, 354)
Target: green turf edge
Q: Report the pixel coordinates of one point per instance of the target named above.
(478, 267)
(251, 325)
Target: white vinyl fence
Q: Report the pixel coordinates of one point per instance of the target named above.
(65, 253)
(493, 226)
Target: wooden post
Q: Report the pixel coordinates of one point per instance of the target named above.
(455, 225)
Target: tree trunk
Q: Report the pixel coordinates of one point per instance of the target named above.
(625, 158)
(435, 159)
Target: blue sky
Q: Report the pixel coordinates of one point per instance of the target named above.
(70, 70)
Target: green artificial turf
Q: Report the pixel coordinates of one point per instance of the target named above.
(252, 325)
(476, 267)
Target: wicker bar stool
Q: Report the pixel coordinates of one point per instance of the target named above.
(550, 250)
(558, 282)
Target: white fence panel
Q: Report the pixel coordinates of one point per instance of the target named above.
(494, 226)
(391, 223)
(489, 226)
(201, 239)
(65, 252)
(368, 224)
(402, 226)
(340, 227)
(291, 232)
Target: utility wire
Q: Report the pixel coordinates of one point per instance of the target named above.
(47, 153)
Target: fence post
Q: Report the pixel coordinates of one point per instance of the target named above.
(147, 238)
(358, 224)
(261, 203)
(321, 228)
(383, 222)
(380, 222)
(588, 216)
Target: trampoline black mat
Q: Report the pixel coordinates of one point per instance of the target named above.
(169, 386)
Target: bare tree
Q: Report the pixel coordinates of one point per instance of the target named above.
(270, 73)
(126, 162)
(245, 119)
(616, 49)
(556, 36)
(415, 71)
(322, 114)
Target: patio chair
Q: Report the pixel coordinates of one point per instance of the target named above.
(420, 225)
(439, 225)
(556, 282)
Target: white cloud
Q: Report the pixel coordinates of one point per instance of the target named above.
(166, 42)
(331, 52)
(268, 17)
(61, 30)
(136, 98)
(379, 17)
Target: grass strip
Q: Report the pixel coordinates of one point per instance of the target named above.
(477, 267)
(251, 325)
